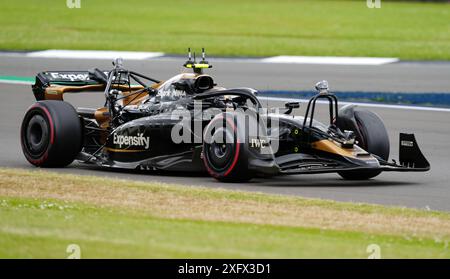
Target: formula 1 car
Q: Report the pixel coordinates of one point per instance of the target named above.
(188, 123)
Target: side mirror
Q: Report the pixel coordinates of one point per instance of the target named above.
(322, 86)
(290, 106)
(157, 99)
(118, 63)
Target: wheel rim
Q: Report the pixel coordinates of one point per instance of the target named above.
(37, 135)
(221, 150)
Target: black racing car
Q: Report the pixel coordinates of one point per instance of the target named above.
(188, 123)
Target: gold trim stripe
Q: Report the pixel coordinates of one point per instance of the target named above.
(123, 150)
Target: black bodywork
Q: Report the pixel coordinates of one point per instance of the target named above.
(134, 130)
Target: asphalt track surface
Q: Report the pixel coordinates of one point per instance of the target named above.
(429, 190)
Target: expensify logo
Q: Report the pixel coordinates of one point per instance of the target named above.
(138, 140)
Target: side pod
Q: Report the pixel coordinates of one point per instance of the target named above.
(410, 155)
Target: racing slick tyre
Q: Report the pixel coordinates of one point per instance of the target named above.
(371, 135)
(225, 153)
(51, 134)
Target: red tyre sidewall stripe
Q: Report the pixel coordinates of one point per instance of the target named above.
(235, 159)
(50, 120)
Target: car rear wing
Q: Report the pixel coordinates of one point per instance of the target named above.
(51, 85)
(77, 81)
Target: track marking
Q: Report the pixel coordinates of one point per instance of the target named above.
(331, 60)
(433, 99)
(372, 105)
(93, 54)
(16, 80)
(139, 55)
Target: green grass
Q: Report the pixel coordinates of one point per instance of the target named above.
(33, 229)
(248, 28)
(41, 213)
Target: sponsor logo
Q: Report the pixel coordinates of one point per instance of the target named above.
(258, 143)
(138, 140)
(407, 143)
(71, 77)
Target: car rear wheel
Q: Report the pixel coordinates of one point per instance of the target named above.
(372, 136)
(51, 134)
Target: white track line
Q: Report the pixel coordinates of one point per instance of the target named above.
(331, 60)
(387, 106)
(139, 55)
(20, 82)
(93, 54)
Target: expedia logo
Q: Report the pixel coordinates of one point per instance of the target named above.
(138, 140)
(71, 77)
